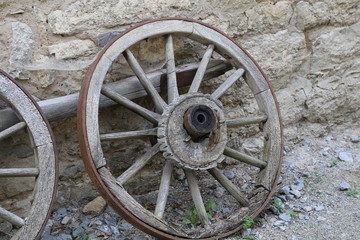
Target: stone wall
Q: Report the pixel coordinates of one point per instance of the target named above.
(309, 49)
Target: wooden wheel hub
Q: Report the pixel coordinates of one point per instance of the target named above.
(199, 122)
(192, 131)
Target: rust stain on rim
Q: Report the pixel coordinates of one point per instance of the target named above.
(91, 169)
(54, 145)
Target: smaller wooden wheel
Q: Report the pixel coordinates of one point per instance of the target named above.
(40, 169)
(185, 140)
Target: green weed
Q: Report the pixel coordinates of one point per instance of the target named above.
(192, 216)
(247, 222)
(292, 214)
(352, 192)
(278, 205)
(333, 163)
(248, 237)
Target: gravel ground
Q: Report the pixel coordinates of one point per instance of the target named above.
(317, 198)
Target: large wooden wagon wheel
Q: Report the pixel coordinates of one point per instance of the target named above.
(39, 168)
(185, 130)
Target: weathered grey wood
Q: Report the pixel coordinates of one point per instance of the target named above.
(134, 207)
(238, 122)
(242, 157)
(146, 83)
(44, 192)
(12, 218)
(19, 172)
(23, 106)
(196, 196)
(228, 185)
(163, 189)
(60, 107)
(227, 83)
(205, 35)
(8, 132)
(272, 131)
(138, 164)
(92, 111)
(173, 91)
(129, 135)
(201, 70)
(147, 114)
(45, 160)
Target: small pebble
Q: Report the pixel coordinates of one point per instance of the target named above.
(306, 143)
(279, 223)
(64, 236)
(226, 210)
(320, 218)
(66, 220)
(219, 192)
(287, 149)
(285, 217)
(319, 208)
(296, 193)
(104, 228)
(229, 174)
(355, 139)
(344, 186)
(78, 231)
(126, 226)
(346, 156)
(307, 208)
(114, 230)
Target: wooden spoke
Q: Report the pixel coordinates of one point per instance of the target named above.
(201, 70)
(228, 83)
(147, 114)
(164, 189)
(228, 185)
(7, 132)
(196, 196)
(139, 164)
(148, 86)
(129, 135)
(19, 172)
(245, 121)
(12, 218)
(173, 91)
(242, 157)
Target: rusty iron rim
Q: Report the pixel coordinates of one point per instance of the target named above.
(56, 157)
(92, 171)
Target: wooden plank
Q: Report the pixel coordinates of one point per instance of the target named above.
(238, 122)
(146, 83)
(65, 106)
(134, 207)
(242, 157)
(138, 164)
(11, 130)
(12, 218)
(147, 114)
(129, 135)
(173, 91)
(19, 172)
(199, 76)
(228, 185)
(163, 189)
(227, 83)
(196, 196)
